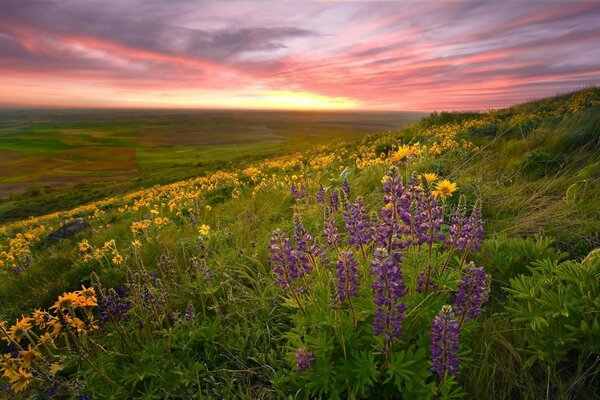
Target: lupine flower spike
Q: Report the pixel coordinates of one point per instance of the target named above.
(471, 293)
(444, 343)
(304, 359)
(389, 289)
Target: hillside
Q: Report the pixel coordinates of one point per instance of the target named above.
(339, 271)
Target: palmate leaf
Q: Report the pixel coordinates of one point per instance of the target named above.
(409, 370)
(360, 373)
(321, 382)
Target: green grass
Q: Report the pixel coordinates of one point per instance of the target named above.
(538, 179)
(95, 149)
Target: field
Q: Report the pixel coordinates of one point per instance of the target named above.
(454, 257)
(111, 151)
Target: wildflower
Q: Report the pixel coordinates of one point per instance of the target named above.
(389, 289)
(430, 177)
(393, 216)
(112, 306)
(190, 311)
(117, 259)
(19, 379)
(427, 218)
(87, 297)
(347, 275)
(458, 231)
(444, 189)
(136, 243)
(304, 359)
(320, 195)
(284, 261)
(19, 329)
(334, 200)
(470, 293)
(358, 224)
(474, 228)
(444, 343)
(66, 301)
(307, 247)
(346, 188)
(204, 230)
(331, 232)
(208, 208)
(84, 246)
(28, 355)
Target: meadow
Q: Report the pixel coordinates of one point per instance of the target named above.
(105, 152)
(456, 257)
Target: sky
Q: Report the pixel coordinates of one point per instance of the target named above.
(393, 55)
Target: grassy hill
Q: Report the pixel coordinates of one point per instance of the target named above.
(339, 271)
(88, 155)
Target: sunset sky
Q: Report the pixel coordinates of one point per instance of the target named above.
(294, 55)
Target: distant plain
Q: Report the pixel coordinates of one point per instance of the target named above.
(45, 152)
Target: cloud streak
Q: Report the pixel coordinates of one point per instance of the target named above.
(371, 55)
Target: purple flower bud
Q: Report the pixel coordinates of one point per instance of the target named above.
(388, 288)
(294, 191)
(347, 275)
(358, 224)
(331, 232)
(346, 188)
(391, 232)
(470, 293)
(475, 228)
(304, 359)
(190, 311)
(444, 343)
(307, 248)
(321, 195)
(334, 200)
(458, 233)
(284, 260)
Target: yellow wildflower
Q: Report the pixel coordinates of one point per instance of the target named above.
(204, 230)
(430, 177)
(19, 379)
(19, 329)
(444, 188)
(117, 259)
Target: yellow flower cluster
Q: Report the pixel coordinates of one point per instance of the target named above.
(18, 247)
(108, 251)
(41, 339)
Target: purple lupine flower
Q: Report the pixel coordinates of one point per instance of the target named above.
(470, 293)
(428, 220)
(149, 299)
(421, 282)
(346, 188)
(294, 191)
(321, 195)
(203, 269)
(444, 343)
(458, 232)
(358, 224)
(307, 248)
(331, 231)
(304, 359)
(347, 275)
(284, 260)
(391, 227)
(334, 200)
(190, 311)
(389, 290)
(475, 228)
(113, 306)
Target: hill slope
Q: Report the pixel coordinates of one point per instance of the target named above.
(191, 276)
